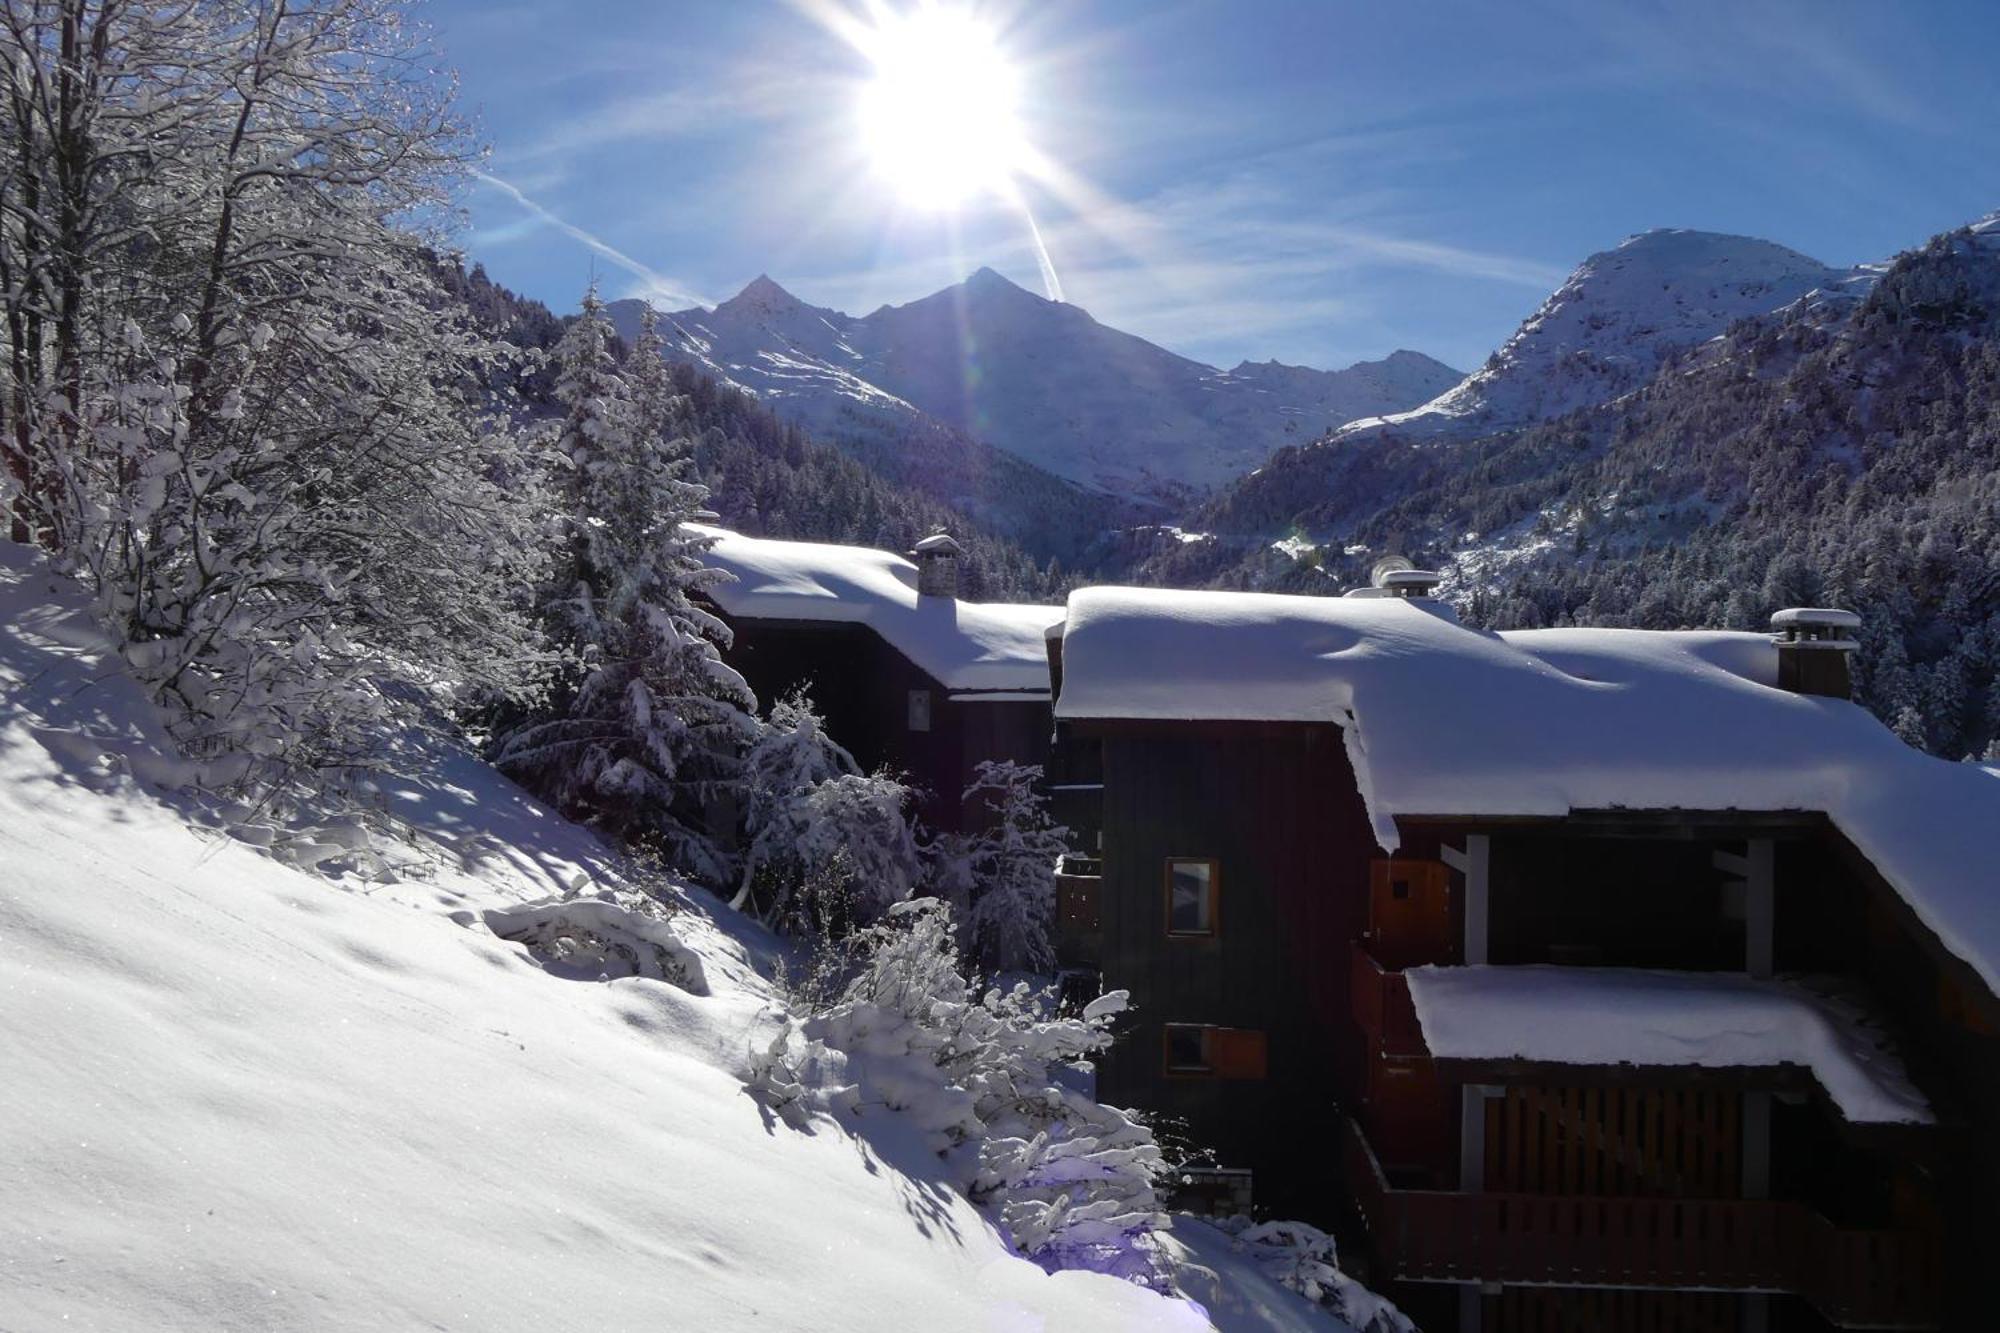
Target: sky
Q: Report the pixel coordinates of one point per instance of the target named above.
(1311, 181)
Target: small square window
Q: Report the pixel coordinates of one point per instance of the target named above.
(920, 710)
(1187, 1049)
(1191, 885)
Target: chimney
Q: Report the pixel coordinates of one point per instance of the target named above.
(1813, 644)
(937, 565)
(1409, 583)
(1393, 576)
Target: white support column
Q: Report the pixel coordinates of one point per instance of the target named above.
(1471, 1310)
(1475, 864)
(1756, 1145)
(1472, 1180)
(1472, 1136)
(1758, 871)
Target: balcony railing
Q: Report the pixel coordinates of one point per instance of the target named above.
(1381, 1002)
(1857, 1279)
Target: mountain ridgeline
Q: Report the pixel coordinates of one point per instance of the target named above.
(767, 477)
(1693, 430)
(1039, 380)
(1841, 448)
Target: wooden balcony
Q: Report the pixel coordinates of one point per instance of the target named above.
(1381, 1003)
(1856, 1279)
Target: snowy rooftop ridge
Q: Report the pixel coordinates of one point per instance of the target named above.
(964, 645)
(1444, 720)
(1634, 1016)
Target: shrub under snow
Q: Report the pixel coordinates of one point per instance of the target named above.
(1303, 1259)
(985, 1073)
(607, 935)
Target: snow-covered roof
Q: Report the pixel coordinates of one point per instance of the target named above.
(1630, 1016)
(964, 645)
(1445, 720)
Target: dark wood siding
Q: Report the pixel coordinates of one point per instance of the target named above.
(862, 687)
(1278, 809)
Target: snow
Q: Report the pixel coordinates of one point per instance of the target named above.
(964, 645)
(1445, 720)
(1219, 1275)
(1630, 1016)
(1605, 331)
(239, 1095)
(1040, 379)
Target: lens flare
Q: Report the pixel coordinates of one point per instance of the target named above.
(940, 114)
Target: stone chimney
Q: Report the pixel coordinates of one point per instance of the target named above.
(1813, 644)
(937, 565)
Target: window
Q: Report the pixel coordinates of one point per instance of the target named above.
(1191, 902)
(920, 710)
(1201, 1050)
(1187, 1049)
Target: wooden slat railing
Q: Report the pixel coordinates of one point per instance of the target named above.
(1857, 1279)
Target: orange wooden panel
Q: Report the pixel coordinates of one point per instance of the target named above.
(1239, 1053)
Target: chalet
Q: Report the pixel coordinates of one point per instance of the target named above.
(1582, 979)
(906, 674)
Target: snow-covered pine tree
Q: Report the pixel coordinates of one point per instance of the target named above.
(814, 819)
(240, 405)
(1000, 879)
(649, 726)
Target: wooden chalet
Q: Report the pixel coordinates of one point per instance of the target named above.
(906, 674)
(1580, 979)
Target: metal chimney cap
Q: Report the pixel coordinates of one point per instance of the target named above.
(1410, 582)
(1822, 617)
(1379, 572)
(939, 541)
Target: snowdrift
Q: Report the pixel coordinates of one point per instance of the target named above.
(240, 1094)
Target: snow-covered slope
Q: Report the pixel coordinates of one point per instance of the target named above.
(1604, 331)
(237, 1095)
(1037, 378)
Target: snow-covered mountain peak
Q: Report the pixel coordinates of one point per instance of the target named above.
(1040, 379)
(984, 279)
(1605, 331)
(761, 297)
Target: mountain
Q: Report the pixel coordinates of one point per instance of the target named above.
(768, 477)
(1842, 450)
(1039, 379)
(1605, 331)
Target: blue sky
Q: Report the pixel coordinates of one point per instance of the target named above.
(1312, 181)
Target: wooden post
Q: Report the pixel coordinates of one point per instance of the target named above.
(1757, 868)
(1756, 1145)
(1474, 863)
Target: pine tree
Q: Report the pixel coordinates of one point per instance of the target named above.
(814, 819)
(649, 729)
(1001, 879)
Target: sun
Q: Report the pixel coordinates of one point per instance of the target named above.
(940, 111)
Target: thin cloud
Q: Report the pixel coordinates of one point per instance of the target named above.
(657, 283)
